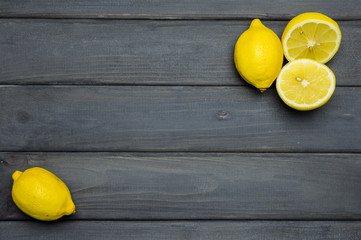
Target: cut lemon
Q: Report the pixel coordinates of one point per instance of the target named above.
(311, 35)
(305, 84)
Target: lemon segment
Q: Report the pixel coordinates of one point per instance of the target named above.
(41, 195)
(305, 84)
(311, 35)
(258, 55)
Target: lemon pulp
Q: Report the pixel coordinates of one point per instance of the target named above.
(305, 84)
(311, 35)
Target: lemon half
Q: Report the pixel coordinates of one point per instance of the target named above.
(41, 195)
(311, 35)
(305, 84)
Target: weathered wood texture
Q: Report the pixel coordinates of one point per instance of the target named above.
(197, 185)
(120, 118)
(168, 9)
(141, 52)
(213, 230)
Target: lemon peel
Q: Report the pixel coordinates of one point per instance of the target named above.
(258, 55)
(41, 195)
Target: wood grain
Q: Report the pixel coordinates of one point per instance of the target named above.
(168, 9)
(141, 52)
(118, 118)
(150, 186)
(212, 230)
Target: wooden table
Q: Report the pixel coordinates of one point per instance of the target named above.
(138, 108)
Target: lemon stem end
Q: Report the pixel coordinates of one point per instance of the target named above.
(71, 209)
(256, 23)
(16, 175)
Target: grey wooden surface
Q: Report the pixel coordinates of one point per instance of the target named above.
(137, 107)
(168, 9)
(141, 52)
(149, 186)
(164, 230)
(142, 118)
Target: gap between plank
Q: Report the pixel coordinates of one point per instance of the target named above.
(138, 85)
(181, 152)
(160, 18)
(188, 220)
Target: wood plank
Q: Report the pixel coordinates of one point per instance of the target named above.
(141, 52)
(119, 118)
(280, 230)
(120, 186)
(168, 9)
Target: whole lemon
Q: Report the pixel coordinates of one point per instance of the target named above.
(258, 55)
(41, 195)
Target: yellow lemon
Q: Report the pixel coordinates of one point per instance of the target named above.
(305, 84)
(41, 195)
(311, 35)
(258, 55)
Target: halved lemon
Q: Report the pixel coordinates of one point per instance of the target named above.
(311, 35)
(305, 84)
